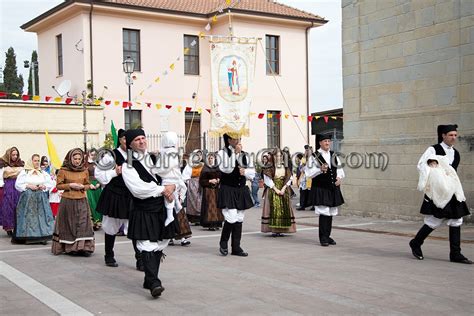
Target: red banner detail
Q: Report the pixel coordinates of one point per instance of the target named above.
(25, 97)
(188, 109)
(208, 110)
(68, 100)
(310, 118)
(278, 116)
(169, 106)
(108, 102)
(47, 98)
(326, 119)
(261, 115)
(2, 94)
(148, 104)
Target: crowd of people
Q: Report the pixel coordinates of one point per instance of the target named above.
(153, 198)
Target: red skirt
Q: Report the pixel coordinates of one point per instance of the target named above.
(54, 208)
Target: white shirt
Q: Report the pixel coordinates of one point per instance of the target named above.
(1, 178)
(430, 152)
(139, 188)
(279, 173)
(28, 177)
(104, 176)
(227, 164)
(312, 168)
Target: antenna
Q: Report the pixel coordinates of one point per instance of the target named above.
(63, 88)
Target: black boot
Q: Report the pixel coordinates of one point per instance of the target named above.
(138, 257)
(329, 229)
(455, 254)
(225, 235)
(151, 264)
(323, 230)
(109, 251)
(236, 237)
(415, 244)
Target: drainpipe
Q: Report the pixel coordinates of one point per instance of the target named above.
(91, 55)
(307, 81)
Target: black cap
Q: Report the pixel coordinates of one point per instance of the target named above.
(444, 129)
(121, 133)
(131, 134)
(321, 137)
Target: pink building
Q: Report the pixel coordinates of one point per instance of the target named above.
(89, 40)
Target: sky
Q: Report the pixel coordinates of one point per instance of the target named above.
(325, 44)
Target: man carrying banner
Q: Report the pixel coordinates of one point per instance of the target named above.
(234, 195)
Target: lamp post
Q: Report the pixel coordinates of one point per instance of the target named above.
(128, 68)
(85, 102)
(34, 66)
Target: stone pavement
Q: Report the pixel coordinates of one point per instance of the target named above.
(369, 271)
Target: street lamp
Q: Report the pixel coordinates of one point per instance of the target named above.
(128, 68)
(34, 66)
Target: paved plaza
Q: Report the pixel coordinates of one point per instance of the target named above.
(369, 271)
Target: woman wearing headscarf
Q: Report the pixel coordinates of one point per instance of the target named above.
(73, 232)
(191, 174)
(277, 214)
(12, 166)
(211, 215)
(93, 195)
(45, 165)
(34, 219)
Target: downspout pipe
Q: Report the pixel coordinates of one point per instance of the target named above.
(308, 112)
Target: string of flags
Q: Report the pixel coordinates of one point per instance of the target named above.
(161, 106)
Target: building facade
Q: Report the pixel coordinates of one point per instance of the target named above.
(408, 66)
(89, 40)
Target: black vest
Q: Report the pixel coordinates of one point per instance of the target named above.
(328, 179)
(440, 152)
(151, 204)
(117, 184)
(234, 179)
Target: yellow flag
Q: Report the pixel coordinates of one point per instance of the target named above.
(96, 102)
(36, 98)
(286, 116)
(199, 110)
(58, 99)
(302, 117)
(158, 106)
(138, 103)
(334, 117)
(201, 34)
(15, 94)
(186, 50)
(172, 66)
(228, 2)
(53, 155)
(180, 108)
(116, 103)
(214, 18)
(157, 79)
(270, 115)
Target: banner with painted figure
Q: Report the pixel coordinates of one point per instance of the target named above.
(232, 74)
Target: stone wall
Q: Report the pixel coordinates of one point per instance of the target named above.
(408, 66)
(23, 124)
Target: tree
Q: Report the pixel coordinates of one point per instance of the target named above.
(11, 81)
(34, 61)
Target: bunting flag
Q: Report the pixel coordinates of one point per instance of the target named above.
(113, 131)
(208, 27)
(25, 97)
(2, 94)
(179, 108)
(53, 155)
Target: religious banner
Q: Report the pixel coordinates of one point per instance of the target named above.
(232, 74)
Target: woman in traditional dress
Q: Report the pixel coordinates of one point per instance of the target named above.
(34, 219)
(45, 165)
(93, 195)
(191, 174)
(12, 166)
(277, 215)
(211, 215)
(73, 232)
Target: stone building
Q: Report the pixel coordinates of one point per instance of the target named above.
(407, 66)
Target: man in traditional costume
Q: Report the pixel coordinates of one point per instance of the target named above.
(234, 195)
(326, 173)
(115, 201)
(444, 200)
(148, 215)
